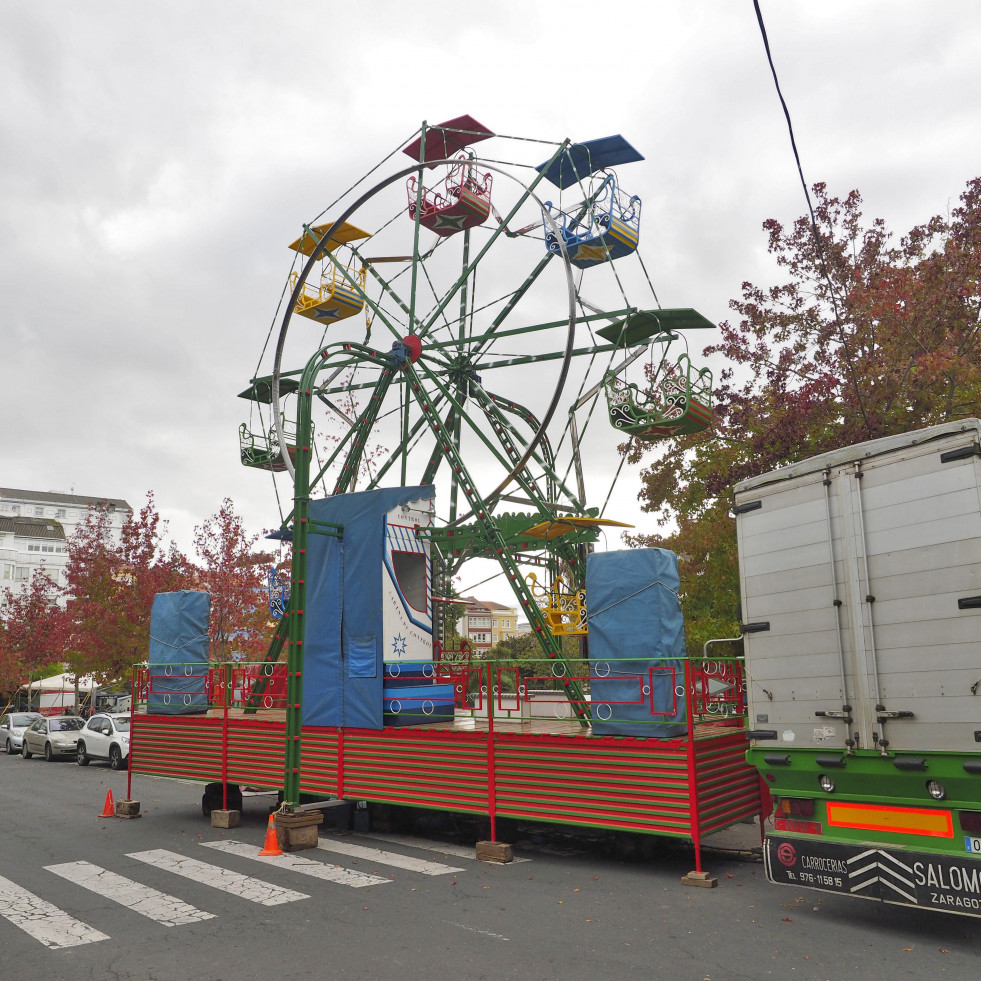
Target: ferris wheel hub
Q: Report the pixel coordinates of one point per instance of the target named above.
(414, 343)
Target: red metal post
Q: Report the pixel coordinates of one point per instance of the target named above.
(229, 680)
(340, 762)
(491, 773)
(696, 831)
(132, 737)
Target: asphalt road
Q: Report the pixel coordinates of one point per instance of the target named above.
(74, 902)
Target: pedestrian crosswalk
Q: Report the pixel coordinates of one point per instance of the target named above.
(55, 928)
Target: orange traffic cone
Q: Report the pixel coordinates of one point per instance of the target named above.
(109, 811)
(271, 847)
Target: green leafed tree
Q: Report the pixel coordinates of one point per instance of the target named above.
(865, 337)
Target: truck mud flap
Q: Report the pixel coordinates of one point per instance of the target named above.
(942, 882)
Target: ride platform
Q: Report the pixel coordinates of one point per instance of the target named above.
(497, 758)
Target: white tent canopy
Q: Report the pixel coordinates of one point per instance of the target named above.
(61, 682)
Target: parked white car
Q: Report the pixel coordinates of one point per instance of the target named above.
(105, 737)
(53, 736)
(12, 726)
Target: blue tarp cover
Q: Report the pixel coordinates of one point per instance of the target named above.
(178, 656)
(342, 662)
(635, 624)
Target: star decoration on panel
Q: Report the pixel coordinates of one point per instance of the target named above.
(326, 313)
(398, 645)
(456, 222)
(590, 253)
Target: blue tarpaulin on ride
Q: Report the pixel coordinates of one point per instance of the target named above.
(343, 672)
(636, 643)
(178, 656)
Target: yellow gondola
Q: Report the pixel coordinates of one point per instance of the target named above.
(340, 293)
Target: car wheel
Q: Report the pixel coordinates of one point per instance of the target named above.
(116, 760)
(48, 755)
(25, 752)
(81, 757)
(10, 748)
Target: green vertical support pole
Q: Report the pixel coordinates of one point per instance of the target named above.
(412, 293)
(295, 632)
(461, 395)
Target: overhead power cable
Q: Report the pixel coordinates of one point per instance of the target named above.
(814, 227)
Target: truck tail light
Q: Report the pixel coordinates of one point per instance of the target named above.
(971, 822)
(796, 806)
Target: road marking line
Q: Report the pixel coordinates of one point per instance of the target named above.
(473, 929)
(44, 922)
(458, 851)
(305, 866)
(385, 858)
(166, 910)
(243, 886)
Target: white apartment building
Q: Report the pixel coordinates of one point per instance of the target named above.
(35, 527)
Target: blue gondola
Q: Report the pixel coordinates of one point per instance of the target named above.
(605, 226)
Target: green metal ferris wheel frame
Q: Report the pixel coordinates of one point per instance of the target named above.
(437, 386)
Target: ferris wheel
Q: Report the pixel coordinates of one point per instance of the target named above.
(462, 322)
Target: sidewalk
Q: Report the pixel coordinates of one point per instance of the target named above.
(743, 839)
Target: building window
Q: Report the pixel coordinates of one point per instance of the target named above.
(21, 573)
(15, 509)
(38, 512)
(60, 513)
(495, 623)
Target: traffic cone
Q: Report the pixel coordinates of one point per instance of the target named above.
(271, 846)
(109, 811)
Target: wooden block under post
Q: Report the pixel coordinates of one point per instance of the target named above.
(495, 851)
(701, 879)
(297, 831)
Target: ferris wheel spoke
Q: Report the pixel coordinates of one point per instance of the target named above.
(418, 385)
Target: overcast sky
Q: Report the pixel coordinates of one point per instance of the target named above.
(157, 159)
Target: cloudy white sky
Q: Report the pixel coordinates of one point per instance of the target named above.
(156, 159)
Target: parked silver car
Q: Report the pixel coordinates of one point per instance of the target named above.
(12, 726)
(105, 737)
(54, 736)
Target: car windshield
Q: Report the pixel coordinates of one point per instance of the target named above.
(122, 725)
(22, 720)
(65, 725)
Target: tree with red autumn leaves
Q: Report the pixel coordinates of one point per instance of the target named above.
(235, 575)
(866, 338)
(31, 631)
(104, 627)
(110, 587)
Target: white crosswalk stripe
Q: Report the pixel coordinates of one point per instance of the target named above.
(44, 922)
(166, 910)
(380, 857)
(295, 863)
(243, 886)
(56, 929)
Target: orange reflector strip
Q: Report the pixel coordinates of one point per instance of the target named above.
(874, 817)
